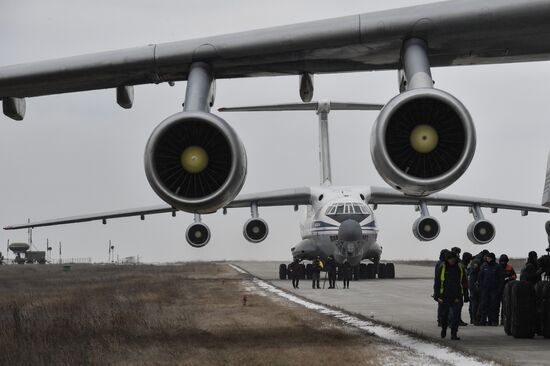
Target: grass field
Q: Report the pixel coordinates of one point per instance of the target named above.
(190, 314)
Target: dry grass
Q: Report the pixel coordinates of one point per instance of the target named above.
(160, 315)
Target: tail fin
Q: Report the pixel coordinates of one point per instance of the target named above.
(322, 108)
(546, 193)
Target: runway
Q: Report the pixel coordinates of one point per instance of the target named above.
(405, 303)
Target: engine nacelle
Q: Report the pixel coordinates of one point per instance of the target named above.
(255, 230)
(422, 141)
(195, 162)
(481, 232)
(426, 228)
(197, 235)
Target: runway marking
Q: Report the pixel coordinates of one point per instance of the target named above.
(427, 348)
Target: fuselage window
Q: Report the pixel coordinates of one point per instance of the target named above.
(340, 209)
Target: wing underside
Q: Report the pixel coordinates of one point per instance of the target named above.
(386, 196)
(285, 197)
(461, 32)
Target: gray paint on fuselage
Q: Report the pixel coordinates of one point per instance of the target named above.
(320, 232)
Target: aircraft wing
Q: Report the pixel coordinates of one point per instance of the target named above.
(387, 196)
(462, 32)
(285, 197)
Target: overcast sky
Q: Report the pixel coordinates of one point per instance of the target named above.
(81, 153)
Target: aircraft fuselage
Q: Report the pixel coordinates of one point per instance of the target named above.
(322, 233)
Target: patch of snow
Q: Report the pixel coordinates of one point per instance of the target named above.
(439, 352)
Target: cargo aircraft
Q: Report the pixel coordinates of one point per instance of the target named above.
(422, 141)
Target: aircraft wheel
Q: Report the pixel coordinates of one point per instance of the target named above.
(302, 272)
(539, 288)
(371, 271)
(545, 310)
(363, 271)
(381, 270)
(309, 271)
(523, 310)
(356, 274)
(507, 306)
(390, 271)
(282, 272)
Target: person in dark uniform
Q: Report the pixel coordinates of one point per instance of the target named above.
(450, 290)
(509, 275)
(331, 270)
(295, 272)
(464, 263)
(316, 268)
(491, 278)
(473, 285)
(530, 272)
(346, 273)
(442, 257)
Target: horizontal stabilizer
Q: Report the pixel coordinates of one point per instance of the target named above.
(312, 106)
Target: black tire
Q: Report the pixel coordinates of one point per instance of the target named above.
(390, 271)
(363, 271)
(381, 270)
(356, 274)
(539, 287)
(309, 271)
(282, 272)
(371, 271)
(302, 272)
(523, 310)
(545, 311)
(507, 307)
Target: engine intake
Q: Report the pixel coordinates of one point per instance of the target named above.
(422, 141)
(255, 230)
(481, 232)
(195, 162)
(426, 228)
(197, 235)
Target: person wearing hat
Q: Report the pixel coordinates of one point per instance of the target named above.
(295, 272)
(491, 279)
(509, 275)
(530, 272)
(465, 262)
(317, 266)
(473, 285)
(331, 270)
(450, 290)
(346, 273)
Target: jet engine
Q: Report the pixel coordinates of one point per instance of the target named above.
(197, 235)
(426, 228)
(255, 230)
(195, 162)
(481, 232)
(422, 141)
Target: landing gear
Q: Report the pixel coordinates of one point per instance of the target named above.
(283, 272)
(381, 270)
(371, 271)
(363, 271)
(356, 273)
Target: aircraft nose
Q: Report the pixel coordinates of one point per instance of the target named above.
(350, 230)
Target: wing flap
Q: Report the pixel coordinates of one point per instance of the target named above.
(387, 196)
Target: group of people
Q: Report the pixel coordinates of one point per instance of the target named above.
(479, 280)
(331, 268)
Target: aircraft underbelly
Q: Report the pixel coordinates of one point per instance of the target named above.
(324, 245)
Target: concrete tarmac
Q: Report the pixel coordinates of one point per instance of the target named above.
(406, 303)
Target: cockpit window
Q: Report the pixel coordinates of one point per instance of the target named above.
(357, 209)
(343, 211)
